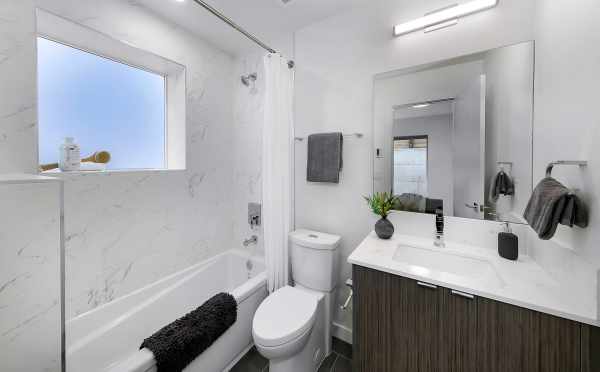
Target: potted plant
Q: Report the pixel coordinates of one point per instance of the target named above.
(381, 204)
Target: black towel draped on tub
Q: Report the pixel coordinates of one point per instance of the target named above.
(179, 343)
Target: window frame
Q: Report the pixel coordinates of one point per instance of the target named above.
(404, 138)
(88, 40)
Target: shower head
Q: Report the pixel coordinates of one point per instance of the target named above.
(249, 78)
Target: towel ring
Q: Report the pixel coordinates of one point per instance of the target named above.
(550, 166)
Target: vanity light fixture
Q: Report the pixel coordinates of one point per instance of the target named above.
(444, 18)
(421, 105)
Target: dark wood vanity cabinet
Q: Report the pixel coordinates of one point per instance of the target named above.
(404, 325)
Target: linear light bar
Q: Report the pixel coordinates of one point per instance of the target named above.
(444, 15)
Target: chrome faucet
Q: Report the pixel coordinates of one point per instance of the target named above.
(439, 228)
(253, 240)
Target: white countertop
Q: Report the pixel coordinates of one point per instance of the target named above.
(523, 283)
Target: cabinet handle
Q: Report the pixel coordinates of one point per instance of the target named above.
(426, 285)
(463, 295)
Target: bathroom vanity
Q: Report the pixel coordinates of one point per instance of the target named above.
(418, 308)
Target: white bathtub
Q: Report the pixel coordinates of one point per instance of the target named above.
(108, 338)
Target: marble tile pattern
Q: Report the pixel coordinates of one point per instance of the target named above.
(125, 230)
(29, 277)
(247, 148)
(18, 103)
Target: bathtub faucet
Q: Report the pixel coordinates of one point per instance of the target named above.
(252, 240)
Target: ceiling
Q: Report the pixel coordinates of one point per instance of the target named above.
(272, 21)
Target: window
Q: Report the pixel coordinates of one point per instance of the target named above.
(110, 96)
(103, 104)
(410, 165)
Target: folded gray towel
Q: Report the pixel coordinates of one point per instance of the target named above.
(552, 203)
(325, 159)
(501, 184)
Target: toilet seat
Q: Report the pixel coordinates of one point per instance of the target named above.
(284, 316)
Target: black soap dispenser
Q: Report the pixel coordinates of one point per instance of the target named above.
(508, 244)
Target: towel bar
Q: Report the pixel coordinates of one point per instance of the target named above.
(357, 135)
(550, 166)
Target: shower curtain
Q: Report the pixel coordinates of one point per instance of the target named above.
(277, 168)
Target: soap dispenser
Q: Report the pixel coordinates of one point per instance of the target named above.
(508, 244)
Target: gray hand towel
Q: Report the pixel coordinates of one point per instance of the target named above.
(501, 184)
(552, 203)
(325, 157)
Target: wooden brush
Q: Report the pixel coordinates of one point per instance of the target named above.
(97, 157)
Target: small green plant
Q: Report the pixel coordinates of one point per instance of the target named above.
(381, 203)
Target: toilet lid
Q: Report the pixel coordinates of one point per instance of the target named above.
(284, 316)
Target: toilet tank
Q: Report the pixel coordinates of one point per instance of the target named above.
(315, 259)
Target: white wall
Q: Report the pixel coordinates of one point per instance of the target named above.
(439, 151)
(336, 61)
(567, 125)
(509, 118)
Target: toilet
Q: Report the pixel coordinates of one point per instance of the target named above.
(292, 326)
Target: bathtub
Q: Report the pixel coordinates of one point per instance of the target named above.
(107, 339)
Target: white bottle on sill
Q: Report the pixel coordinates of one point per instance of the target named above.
(70, 156)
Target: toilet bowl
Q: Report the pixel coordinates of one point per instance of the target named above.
(288, 330)
(292, 326)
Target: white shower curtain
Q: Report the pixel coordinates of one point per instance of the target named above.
(277, 167)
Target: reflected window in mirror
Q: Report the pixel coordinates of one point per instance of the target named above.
(410, 165)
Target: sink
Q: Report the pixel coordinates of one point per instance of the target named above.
(458, 266)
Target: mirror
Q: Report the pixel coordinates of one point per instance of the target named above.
(457, 135)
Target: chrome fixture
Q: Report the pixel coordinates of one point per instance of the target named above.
(237, 27)
(254, 214)
(250, 78)
(357, 135)
(253, 240)
(550, 167)
(439, 229)
(347, 302)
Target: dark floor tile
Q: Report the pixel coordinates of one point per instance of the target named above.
(342, 348)
(342, 364)
(251, 362)
(328, 363)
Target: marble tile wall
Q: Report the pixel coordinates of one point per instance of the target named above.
(247, 148)
(127, 230)
(29, 277)
(124, 230)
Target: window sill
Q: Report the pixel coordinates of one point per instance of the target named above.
(60, 174)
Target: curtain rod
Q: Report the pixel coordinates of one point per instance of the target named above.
(238, 28)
